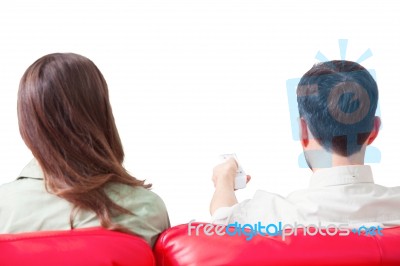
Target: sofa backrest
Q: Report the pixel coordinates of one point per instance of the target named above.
(97, 246)
(176, 247)
(78, 247)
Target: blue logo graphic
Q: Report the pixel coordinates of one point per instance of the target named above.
(368, 231)
(279, 229)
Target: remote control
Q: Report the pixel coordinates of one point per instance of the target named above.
(240, 179)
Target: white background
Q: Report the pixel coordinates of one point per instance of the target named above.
(192, 79)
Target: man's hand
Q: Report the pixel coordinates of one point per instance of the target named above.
(224, 174)
(224, 182)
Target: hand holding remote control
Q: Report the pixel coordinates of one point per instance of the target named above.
(241, 178)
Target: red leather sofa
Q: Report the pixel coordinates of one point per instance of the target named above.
(97, 246)
(176, 247)
(78, 247)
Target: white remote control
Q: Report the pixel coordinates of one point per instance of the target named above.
(240, 179)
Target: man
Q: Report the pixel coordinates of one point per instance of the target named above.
(337, 101)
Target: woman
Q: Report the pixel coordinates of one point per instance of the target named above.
(77, 178)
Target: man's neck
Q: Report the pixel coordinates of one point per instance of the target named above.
(323, 159)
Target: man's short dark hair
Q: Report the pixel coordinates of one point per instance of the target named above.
(338, 100)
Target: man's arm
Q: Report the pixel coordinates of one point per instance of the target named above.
(224, 183)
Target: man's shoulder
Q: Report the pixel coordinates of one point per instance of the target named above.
(266, 195)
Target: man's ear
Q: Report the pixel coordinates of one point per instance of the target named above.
(375, 130)
(304, 138)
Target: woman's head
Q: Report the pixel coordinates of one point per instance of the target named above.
(66, 120)
(64, 111)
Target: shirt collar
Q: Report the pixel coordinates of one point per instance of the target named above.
(342, 175)
(32, 170)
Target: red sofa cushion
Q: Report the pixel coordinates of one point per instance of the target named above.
(175, 247)
(86, 247)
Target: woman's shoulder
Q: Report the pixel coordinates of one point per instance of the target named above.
(21, 185)
(133, 197)
(150, 216)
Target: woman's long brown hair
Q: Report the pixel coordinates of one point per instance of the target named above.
(65, 119)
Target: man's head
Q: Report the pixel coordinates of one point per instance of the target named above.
(337, 101)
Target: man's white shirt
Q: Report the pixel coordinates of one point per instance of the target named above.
(337, 195)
